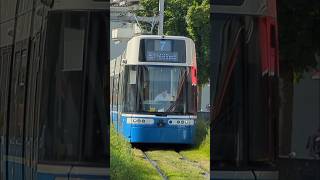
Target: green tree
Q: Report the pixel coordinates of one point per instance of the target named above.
(150, 8)
(174, 15)
(198, 28)
(188, 18)
(299, 27)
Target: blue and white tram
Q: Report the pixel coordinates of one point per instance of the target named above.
(153, 90)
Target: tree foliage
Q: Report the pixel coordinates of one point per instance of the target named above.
(198, 28)
(299, 34)
(188, 18)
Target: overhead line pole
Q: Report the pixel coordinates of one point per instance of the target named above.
(161, 15)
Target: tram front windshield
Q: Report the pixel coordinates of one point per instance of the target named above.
(160, 89)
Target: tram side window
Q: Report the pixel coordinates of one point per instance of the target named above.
(120, 93)
(60, 128)
(191, 96)
(1, 80)
(95, 136)
(115, 92)
(21, 94)
(2, 85)
(4, 90)
(14, 125)
(130, 91)
(73, 127)
(111, 92)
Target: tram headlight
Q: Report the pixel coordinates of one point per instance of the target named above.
(181, 122)
(139, 121)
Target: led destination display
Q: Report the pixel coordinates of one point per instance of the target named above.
(162, 50)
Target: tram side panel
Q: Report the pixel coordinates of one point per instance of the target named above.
(18, 29)
(119, 85)
(122, 125)
(7, 24)
(22, 47)
(20, 32)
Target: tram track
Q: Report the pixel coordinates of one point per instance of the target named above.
(195, 164)
(155, 165)
(171, 164)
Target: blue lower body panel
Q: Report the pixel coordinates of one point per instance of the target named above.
(142, 128)
(178, 135)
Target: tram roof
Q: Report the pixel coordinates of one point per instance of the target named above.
(160, 37)
(131, 54)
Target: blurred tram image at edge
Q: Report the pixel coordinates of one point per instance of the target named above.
(153, 90)
(54, 121)
(244, 86)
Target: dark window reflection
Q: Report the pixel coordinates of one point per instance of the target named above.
(131, 88)
(243, 123)
(73, 127)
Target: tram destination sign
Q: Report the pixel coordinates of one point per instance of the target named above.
(163, 50)
(162, 56)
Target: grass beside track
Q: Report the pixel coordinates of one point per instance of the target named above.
(127, 163)
(201, 152)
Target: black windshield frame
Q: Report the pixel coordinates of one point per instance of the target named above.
(135, 94)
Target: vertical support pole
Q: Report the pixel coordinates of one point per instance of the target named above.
(161, 15)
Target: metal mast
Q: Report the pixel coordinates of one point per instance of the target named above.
(161, 15)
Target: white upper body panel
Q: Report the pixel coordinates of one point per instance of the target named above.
(131, 54)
